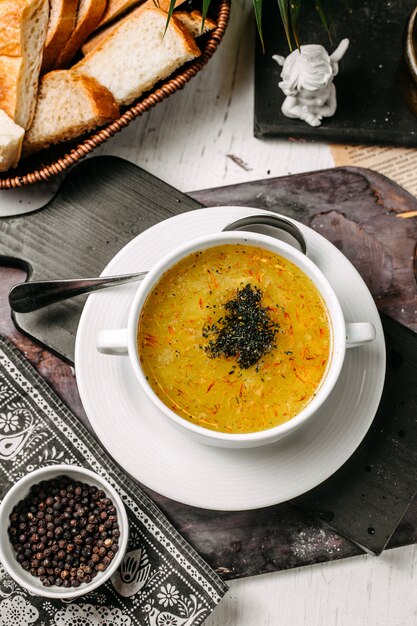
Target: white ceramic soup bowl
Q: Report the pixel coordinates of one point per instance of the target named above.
(124, 341)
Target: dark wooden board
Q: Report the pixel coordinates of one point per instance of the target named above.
(360, 211)
(374, 91)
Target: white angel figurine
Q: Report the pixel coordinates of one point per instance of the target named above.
(307, 81)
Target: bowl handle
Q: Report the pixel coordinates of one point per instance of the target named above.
(113, 341)
(358, 333)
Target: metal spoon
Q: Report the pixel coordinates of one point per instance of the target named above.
(33, 295)
(36, 294)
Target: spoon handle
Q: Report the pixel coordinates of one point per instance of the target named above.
(33, 295)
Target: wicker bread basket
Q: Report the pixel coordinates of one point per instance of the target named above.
(42, 166)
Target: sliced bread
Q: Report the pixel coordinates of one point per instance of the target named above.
(62, 16)
(11, 138)
(103, 32)
(138, 54)
(88, 17)
(193, 22)
(23, 25)
(69, 105)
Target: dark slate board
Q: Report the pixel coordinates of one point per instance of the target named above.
(380, 479)
(373, 85)
(105, 202)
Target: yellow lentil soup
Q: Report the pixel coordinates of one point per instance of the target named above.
(180, 344)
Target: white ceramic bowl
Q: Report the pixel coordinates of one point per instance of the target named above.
(124, 341)
(19, 491)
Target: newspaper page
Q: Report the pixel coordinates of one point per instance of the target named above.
(399, 164)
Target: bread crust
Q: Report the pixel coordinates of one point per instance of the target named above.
(193, 22)
(59, 33)
(193, 49)
(12, 15)
(16, 20)
(10, 71)
(105, 105)
(83, 27)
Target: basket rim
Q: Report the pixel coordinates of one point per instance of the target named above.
(170, 86)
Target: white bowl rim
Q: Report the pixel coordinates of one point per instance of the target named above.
(34, 477)
(292, 254)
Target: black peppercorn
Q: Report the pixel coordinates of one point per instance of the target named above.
(64, 532)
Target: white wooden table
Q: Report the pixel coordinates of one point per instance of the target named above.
(202, 137)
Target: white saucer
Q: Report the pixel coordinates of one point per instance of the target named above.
(171, 463)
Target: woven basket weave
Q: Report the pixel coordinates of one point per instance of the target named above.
(57, 159)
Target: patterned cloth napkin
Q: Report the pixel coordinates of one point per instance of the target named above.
(161, 581)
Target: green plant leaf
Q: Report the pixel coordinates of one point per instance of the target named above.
(204, 9)
(295, 6)
(257, 5)
(284, 10)
(170, 12)
(323, 16)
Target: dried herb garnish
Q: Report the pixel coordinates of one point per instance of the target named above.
(246, 331)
